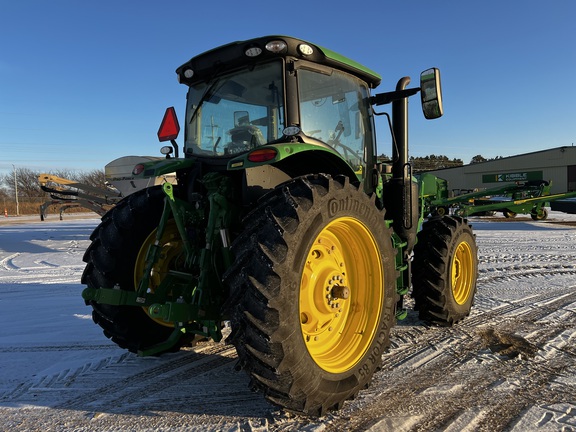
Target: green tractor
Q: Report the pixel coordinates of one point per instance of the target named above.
(281, 224)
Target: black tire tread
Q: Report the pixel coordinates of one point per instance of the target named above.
(430, 270)
(257, 303)
(110, 261)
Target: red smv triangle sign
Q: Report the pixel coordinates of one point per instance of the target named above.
(169, 128)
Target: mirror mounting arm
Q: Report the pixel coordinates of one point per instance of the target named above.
(386, 98)
(175, 145)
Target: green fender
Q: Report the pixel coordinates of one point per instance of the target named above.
(324, 159)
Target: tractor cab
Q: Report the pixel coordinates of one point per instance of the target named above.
(290, 105)
(275, 91)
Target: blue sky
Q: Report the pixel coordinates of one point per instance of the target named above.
(83, 83)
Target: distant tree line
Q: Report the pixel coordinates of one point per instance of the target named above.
(427, 163)
(435, 162)
(480, 158)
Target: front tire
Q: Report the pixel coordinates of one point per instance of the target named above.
(312, 293)
(445, 270)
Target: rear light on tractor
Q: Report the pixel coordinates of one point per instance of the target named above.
(138, 169)
(262, 155)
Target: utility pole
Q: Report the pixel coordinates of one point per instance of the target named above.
(16, 191)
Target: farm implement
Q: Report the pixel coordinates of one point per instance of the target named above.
(120, 183)
(67, 194)
(531, 197)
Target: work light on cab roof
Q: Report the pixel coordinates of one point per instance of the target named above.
(275, 46)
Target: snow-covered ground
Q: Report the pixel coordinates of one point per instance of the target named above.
(510, 366)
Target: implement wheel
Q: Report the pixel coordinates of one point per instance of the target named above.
(445, 270)
(540, 214)
(312, 293)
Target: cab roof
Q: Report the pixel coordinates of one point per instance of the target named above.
(236, 54)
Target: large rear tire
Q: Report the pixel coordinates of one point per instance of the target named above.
(445, 270)
(312, 293)
(115, 259)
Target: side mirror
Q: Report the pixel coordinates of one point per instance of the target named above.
(241, 118)
(431, 93)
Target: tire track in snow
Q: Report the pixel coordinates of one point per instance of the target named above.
(520, 271)
(445, 371)
(100, 382)
(60, 380)
(502, 259)
(408, 340)
(8, 262)
(539, 381)
(171, 370)
(50, 348)
(42, 275)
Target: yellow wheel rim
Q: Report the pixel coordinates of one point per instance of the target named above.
(171, 249)
(462, 270)
(341, 295)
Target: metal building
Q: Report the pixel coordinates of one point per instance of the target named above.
(557, 165)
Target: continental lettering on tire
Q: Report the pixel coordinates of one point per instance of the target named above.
(351, 205)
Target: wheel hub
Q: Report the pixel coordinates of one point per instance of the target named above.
(341, 295)
(324, 305)
(169, 258)
(340, 291)
(462, 273)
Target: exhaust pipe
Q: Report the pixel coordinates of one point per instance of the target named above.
(404, 191)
